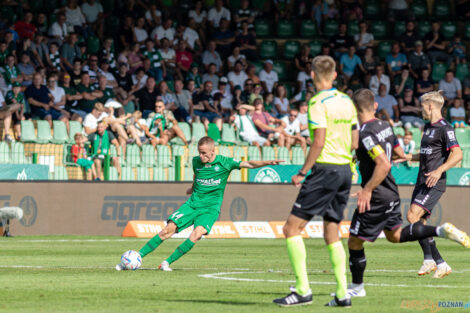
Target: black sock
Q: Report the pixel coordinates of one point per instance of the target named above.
(357, 264)
(435, 253)
(416, 231)
(426, 248)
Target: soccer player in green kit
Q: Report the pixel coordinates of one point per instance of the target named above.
(202, 209)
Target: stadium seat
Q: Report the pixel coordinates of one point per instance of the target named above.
(235, 176)
(419, 8)
(192, 152)
(384, 48)
(132, 156)
(291, 48)
(93, 45)
(60, 173)
(379, 29)
(60, 132)
(463, 137)
(188, 174)
(239, 153)
(268, 153)
(127, 174)
(148, 156)
(225, 151)
(143, 174)
(399, 131)
(416, 136)
(283, 154)
(198, 132)
(113, 174)
(466, 31)
(424, 27)
(213, 132)
(235, 4)
(281, 70)
(186, 131)
(159, 174)
(308, 29)
(438, 71)
(74, 127)
(253, 153)
(4, 153)
(399, 28)
(111, 24)
(171, 176)
(466, 158)
(44, 132)
(228, 134)
(17, 153)
(285, 28)
(372, 9)
(163, 156)
(27, 131)
(113, 153)
(330, 28)
(298, 156)
(448, 29)
(262, 28)
(315, 47)
(178, 150)
(462, 71)
(268, 49)
(353, 28)
(442, 9)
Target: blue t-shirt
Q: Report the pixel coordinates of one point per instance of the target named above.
(41, 94)
(396, 62)
(349, 64)
(387, 103)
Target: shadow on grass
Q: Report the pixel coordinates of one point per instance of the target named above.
(226, 302)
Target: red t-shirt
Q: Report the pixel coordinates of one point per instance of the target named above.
(25, 30)
(77, 152)
(185, 57)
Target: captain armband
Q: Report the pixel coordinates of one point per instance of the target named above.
(375, 152)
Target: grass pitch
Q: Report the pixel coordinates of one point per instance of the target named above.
(76, 274)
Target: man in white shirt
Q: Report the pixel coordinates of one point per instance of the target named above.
(292, 130)
(451, 87)
(246, 127)
(91, 119)
(303, 119)
(303, 76)
(378, 79)
(268, 77)
(238, 76)
(92, 10)
(217, 13)
(191, 36)
(58, 30)
(166, 30)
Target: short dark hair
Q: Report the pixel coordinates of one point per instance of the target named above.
(206, 140)
(363, 100)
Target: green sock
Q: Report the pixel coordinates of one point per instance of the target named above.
(181, 250)
(338, 260)
(151, 245)
(298, 259)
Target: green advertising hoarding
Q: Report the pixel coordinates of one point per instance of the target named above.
(24, 172)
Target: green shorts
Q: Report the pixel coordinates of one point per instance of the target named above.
(186, 216)
(85, 163)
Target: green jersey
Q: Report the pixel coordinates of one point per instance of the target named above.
(86, 105)
(210, 180)
(108, 93)
(10, 96)
(155, 58)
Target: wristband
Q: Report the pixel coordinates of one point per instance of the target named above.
(301, 174)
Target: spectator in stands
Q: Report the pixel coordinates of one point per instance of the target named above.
(256, 94)
(237, 77)
(387, 106)
(92, 68)
(369, 62)
(349, 63)
(206, 107)
(210, 56)
(42, 102)
(195, 76)
(283, 9)
(223, 98)
(263, 122)
(70, 51)
(134, 58)
(395, 61)
(435, 44)
(292, 130)
(141, 34)
(457, 114)
(157, 66)
(246, 127)
(281, 103)
(58, 97)
(139, 79)
(89, 95)
(72, 96)
(153, 15)
(200, 17)
(164, 120)
(183, 108)
(39, 49)
(12, 110)
(398, 10)
(378, 79)
(184, 59)
(251, 73)
(424, 83)
(104, 71)
(74, 17)
(101, 141)
(403, 81)
(303, 120)
(41, 22)
(246, 40)
(224, 38)
(26, 69)
(217, 13)
(80, 157)
(97, 114)
(25, 28)
(126, 33)
(451, 87)
(457, 48)
(237, 97)
(58, 30)
(236, 56)
(418, 60)
(211, 76)
(407, 143)
(107, 53)
(165, 95)
(302, 58)
(11, 72)
(306, 93)
(146, 97)
(364, 39)
(319, 8)
(108, 91)
(166, 30)
(409, 38)
(93, 12)
(191, 37)
(76, 73)
(244, 14)
(268, 77)
(410, 110)
(169, 58)
(54, 62)
(340, 42)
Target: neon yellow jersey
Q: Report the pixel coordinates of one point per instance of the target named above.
(335, 111)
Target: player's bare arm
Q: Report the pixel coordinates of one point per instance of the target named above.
(257, 164)
(315, 150)
(454, 158)
(355, 139)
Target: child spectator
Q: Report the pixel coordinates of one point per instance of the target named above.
(80, 157)
(407, 143)
(456, 48)
(53, 58)
(457, 114)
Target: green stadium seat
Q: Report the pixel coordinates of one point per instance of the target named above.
(466, 31)
(143, 174)
(291, 48)
(298, 156)
(399, 28)
(60, 173)
(438, 71)
(262, 28)
(285, 28)
(171, 174)
(424, 27)
(228, 133)
(308, 29)
(127, 174)
(372, 9)
(148, 156)
(234, 4)
(17, 154)
(93, 45)
(419, 8)
(379, 29)
(213, 132)
(258, 66)
(384, 48)
(416, 132)
(132, 156)
(113, 174)
(159, 174)
(353, 28)
(315, 47)
(399, 131)
(186, 131)
(4, 153)
(188, 174)
(163, 156)
(253, 153)
(268, 153)
(113, 153)
(448, 29)
(60, 132)
(260, 5)
(198, 132)
(236, 176)
(466, 158)
(192, 152)
(178, 150)
(461, 71)
(463, 137)
(330, 28)
(225, 151)
(442, 9)
(44, 132)
(281, 69)
(74, 127)
(283, 154)
(268, 49)
(239, 153)
(111, 24)
(27, 131)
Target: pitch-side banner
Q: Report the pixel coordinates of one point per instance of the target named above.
(88, 208)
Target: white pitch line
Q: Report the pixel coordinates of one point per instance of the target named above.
(72, 240)
(223, 277)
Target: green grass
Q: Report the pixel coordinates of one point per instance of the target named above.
(76, 274)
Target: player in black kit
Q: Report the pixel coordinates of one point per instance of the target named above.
(439, 152)
(378, 200)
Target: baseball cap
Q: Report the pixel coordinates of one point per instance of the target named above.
(16, 84)
(269, 61)
(223, 80)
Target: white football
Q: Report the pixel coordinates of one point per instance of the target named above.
(131, 260)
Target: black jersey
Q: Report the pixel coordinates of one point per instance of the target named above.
(376, 137)
(438, 139)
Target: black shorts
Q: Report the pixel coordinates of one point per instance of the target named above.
(382, 215)
(325, 193)
(426, 197)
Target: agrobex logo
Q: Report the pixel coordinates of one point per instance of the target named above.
(267, 175)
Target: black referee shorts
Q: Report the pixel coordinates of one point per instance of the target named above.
(426, 198)
(325, 193)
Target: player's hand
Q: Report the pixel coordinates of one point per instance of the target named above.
(297, 180)
(433, 178)
(363, 200)
(189, 191)
(274, 162)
